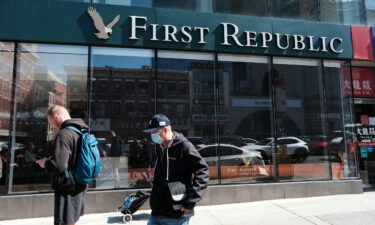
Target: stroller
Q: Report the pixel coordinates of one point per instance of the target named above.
(132, 203)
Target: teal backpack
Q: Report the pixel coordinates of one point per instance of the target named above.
(87, 159)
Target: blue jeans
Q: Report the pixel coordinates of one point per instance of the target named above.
(163, 220)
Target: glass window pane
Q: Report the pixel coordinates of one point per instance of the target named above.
(342, 11)
(370, 12)
(6, 78)
(243, 7)
(245, 118)
(295, 9)
(341, 139)
(192, 110)
(44, 74)
(118, 116)
(141, 3)
(194, 5)
(75, 0)
(300, 119)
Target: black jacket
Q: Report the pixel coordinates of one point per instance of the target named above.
(184, 160)
(67, 142)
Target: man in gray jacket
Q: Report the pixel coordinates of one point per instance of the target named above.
(69, 195)
(178, 165)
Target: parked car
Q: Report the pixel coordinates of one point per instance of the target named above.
(295, 146)
(230, 155)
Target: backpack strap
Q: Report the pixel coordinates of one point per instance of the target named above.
(74, 129)
(74, 157)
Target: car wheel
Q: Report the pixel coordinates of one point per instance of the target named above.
(300, 155)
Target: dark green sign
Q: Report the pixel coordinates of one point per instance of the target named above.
(112, 25)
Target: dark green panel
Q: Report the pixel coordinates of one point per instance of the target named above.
(68, 22)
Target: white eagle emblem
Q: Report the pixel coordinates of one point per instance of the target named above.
(104, 31)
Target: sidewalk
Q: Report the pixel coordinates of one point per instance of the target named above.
(335, 210)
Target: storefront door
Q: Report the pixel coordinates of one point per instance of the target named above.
(365, 130)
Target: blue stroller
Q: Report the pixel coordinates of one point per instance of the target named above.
(132, 203)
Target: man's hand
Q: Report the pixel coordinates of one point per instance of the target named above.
(41, 162)
(183, 209)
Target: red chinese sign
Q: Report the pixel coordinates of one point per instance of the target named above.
(363, 82)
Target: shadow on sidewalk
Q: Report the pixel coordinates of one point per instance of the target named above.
(136, 217)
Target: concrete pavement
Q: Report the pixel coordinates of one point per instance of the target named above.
(358, 209)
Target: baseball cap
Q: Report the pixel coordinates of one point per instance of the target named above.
(156, 122)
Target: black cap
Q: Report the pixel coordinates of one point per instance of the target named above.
(156, 122)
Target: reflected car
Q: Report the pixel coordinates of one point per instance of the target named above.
(196, 141)
(250, 141)
(230, 155)
(232, 140)
(295, 146)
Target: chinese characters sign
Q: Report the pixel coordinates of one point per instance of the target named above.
(363, 82)
(365, 136)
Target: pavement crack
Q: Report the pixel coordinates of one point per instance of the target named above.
(280, 206)
(213, 216)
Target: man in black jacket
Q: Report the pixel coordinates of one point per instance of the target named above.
(178, 163)
(69, 195)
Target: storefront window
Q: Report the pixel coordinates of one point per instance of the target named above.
(243, 7)
(76, 0)
(245, 118)
(192, 111)
(46, 75)
(141, 3)
(300, 120)
(342, 11)
(6, 78)
(295, 9)
(194, 5)
(118, 116)
(341, 139)
(370, 12)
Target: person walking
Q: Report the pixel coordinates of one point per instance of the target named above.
(69, 194)
(180, 176)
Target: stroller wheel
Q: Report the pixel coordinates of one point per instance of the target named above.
(127, 218)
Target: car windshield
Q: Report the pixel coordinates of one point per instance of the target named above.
(265, 141)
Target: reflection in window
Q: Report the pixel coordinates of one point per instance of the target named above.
(244, 117)
(341, 140)
(194, 5)
(295, 9)
(127, 152)
(130, 87)
(143, 87)
(342, 11)
(141, 3)
(243, 7)
(196, 70)
(49, 74)
(6, 76)
(370, 12)
(300, 119)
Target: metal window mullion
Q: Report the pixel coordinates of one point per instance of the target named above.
(325, 112)
(216, 112)
(12, 128)
(155, 79)
(89, 85)
(352, 117)
(273, 116)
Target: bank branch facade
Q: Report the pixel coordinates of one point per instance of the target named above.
(236, 86)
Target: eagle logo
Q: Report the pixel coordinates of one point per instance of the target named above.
(104, 31)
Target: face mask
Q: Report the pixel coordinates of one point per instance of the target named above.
(156, 138)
